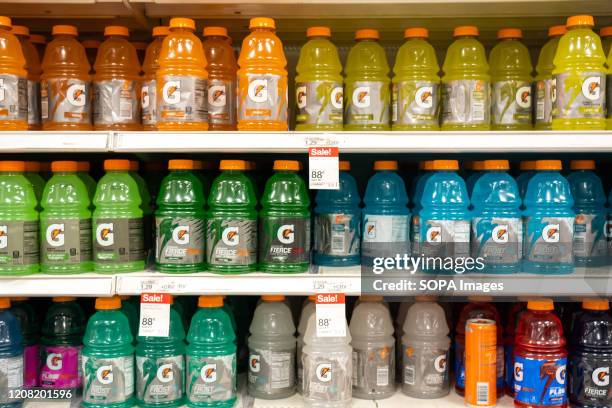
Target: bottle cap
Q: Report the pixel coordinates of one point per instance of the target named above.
(5, 303)
(416, 32)
(312, 298)
(380, 165)
(215, 31)
(582, 165)
(12, 165)
(233, 165)
(541, 305)
(505, 33)
(465, 31)
(32, 167)
(62, 299)
(63, 29)
(198, 165)
(91, 44)
(548, 165)
(21, 30)
(445, 165)
(160, 31)
(370, 298)
(318, 32)
(210, 301)
(110, 303)
(5, 22)
(116, 30)
(527, 165)
(64, 165)
(605, 31)
(557, 30)
(262, 22)
(38, 39)
(181, 22)
(496, 165)
(251, 165)
(291, 165)
(273, 298)
(596, 304)
(581, 20)
(117, 164)
(367, 34)
(180, 164)
(134, 165)
(83, 166)
(345, 165)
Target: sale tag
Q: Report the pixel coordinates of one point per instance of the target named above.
(154, 315)
(330, 315)
(324, 168)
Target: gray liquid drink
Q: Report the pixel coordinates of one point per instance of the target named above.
(307, 311)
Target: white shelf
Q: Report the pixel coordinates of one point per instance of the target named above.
(87, 284)
(52, 142)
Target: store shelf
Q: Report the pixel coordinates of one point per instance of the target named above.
(87, 284)
(41, 142)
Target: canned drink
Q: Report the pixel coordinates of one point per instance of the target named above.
(480, 363)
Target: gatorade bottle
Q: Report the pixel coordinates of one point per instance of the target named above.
(11, 354)
(65, 88)
(181, 79)
(415, 226)
(549, 221)
(425, 352)
(108, 358)
(466, 94)
(580, 77)
(308, 310)
(327, 369)
(62, 345)
(373, 350)
(211, 356)
(83, 169)
(591, 355)
(497, 227)
(117, 221)
(14, 103)
(367, 84)
(416, 84)
(540, 358)
(231, 235)
(509, 333)
(477, 168)
(18, 221)
(65, 222)
(34, 70)
(545, 89)
(32, 173)
(160, 366)
(222, 69)
(179, 220)
(30, 326)
(262, 79)
(606, 39)
(284, 221)
(91, 49)
(148, 88)
(527, 168)
(337, 231)
(40, 42)
(319, 92)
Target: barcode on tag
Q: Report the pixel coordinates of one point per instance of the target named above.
(382, 376)
(409, 375)
(482, 393)
(125, 109)
(478, 112)
(337, 238)
(540, 110)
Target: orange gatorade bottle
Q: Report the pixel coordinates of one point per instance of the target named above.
(34, 70)
(148, 99)
(116, 105)
(262, 79)
(91, 49)
(40, 42)
(13, 80)
(181, 79)
(65, 88)
(222, 69)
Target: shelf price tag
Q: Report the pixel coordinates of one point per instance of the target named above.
(154, 315)
(323, 166)
(330, 315)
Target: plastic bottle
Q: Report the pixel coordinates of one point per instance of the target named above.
(23, 310)
(211, 356)
(65, 88)
(308, 309)
(62, 346)
(580, 76)
(415, 226)
(222, 67)
(466, 93)
(545, 89)
(180, 220)
(117, 221)
(337, 230)
(425, 352)
(527, 168)
(160, 366)
(231, 233)
(497, 227)
(416, 84)
(34, 70)
(32, 173)
(91, 49)
(509, 333)
(40, 42)
(14, 97)
(549, 221)
(11, 354)
(367, 84)
(181, 79)
(108, 358)
(19, 252)
(83, 169)
(540, 358)
(373, 350)
(284, 221)
(319, 91)
(148, 87)
(262, 79)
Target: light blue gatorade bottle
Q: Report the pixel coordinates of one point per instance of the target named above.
(416, 194)
(527, 168)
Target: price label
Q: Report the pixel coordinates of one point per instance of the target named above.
(323, 168)
(330, 315)
(154, 315)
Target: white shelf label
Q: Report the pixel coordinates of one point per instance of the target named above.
(323, 168)
(330, 315)
(154, 315)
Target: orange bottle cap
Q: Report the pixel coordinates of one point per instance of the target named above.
(290, 165)
(61, 299)
(116, 30)
(5, 22)
(380, 165)
(541, 305)
(12, 165)
(140, 45)
(465, 31)
(215, 31)
(91, 44)
(581, 20)
(548, 165)
(21, 30)
(251, 165)
(181, 22)
(233, 165)
(478, 165)
(596, 304)
(5, 303)
(160, 31)
(19, 298)
(63, 29)
(496, 165)
(445, 165)
(64, 165)
(370, 298)
(367, 34)
(557, 30)
(312, 298)
(273, 298)
(38, 39)
(345, 165)
(210, 301)
(198, 165)
(32, 167)
(582, 165)
(318, 32)
(262, 22)
(416, 32)
(180, 164)
(509, 33)
(527, 165)
(605, 31)
(116, 164)
(111, 303)
(134, 165)
(83, 166)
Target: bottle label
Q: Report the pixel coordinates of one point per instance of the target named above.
(262, 97)
(11, 376)
(284, 240)
(66, 241)
(148, 102)
(159, 380)
(319, 103)
(581, 95)
(425, 370)
(231, 242)
(445, 238)
(416, 103)
(497, 240)
(182, 99)
(61, 367)
(374, 370)
(589, 380)
(511, 103)
(337, 234)
(271, 371)
(589, 236)
(65, 101)
(13, 97)
(546, 96)
(31, 363)
(115, 102)
(108, 380)
(368, 103)
(180, 241)
(34, 103)
(386, 228)
(18, 243)
(540, 382)
(460, 366)
(466, 102)
(327, 379)
(118, 240)
(221, 102)
(211, 379)
(549, 239)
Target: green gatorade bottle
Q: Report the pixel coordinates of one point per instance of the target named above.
(146, 205)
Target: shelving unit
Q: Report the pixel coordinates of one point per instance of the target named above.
(88, 284)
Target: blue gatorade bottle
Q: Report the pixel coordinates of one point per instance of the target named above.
(475, 173)
(527, 168)
(497, 228)
(590, 246)
(548, 221)
(416, 194)
(11, 354)
(337, 237)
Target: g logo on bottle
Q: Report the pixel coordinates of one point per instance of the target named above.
(144, 96)
(105, 374)
(286, 234)
(370, 229)
(434, 235)
(500, 234)
(591, 88)
(424, 97)
(231, 236)
(361, 97)
(300, 97)
(55, 235)
(76, 95)
(54, 361)
(337, 97)
(550, 233)
(560, 374)
(601, 376)
(171, 92)
(324, 372)
(523, 97)
(105, 235)
(3, 236)
(518, 371)
(258, 90)
(165, 373)
(440, 363)
(180, 234)
(255, 363)
(209, 373)
(217, 96)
